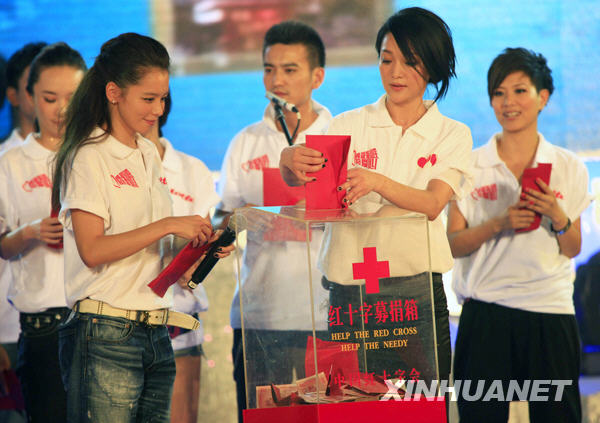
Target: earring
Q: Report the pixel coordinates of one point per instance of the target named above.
(114, 102)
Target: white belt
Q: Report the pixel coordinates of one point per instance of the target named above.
(158, 317)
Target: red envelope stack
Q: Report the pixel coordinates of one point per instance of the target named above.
(542, 171)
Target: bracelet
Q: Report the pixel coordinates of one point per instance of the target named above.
(563, 230)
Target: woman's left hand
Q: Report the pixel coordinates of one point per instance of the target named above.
(222, 252)
(545, 203)
(359, 183)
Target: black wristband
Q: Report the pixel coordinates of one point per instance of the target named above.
(563, 230)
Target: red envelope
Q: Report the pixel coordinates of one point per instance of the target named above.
(542, 171)
(276, 192)
(330, 358)
(182, 262)
(323, 193)
(58, 246)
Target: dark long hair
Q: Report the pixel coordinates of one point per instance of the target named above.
(419, 32)
(123, 60)
(57, 54)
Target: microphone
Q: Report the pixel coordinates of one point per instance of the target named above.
(209, 260)
(281, 102)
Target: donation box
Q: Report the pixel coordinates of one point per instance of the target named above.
(336, 310)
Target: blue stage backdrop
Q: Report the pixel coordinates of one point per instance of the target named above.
(217, 81)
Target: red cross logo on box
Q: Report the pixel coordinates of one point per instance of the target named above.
(371, 270)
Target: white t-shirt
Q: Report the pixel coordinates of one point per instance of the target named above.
(13, 140)
(9, 316)
(271, 271)
(193, 192)
(520, 270)
(37, 273)
(436, 147)
(127, 188)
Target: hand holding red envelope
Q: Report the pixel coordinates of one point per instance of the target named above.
(276, 192)
(323, 193)
(542, 171)
(58, 245)
(182, 262)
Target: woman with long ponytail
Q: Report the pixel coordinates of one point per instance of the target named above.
(116, 355)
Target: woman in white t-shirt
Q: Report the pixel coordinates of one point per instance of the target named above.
(116, 356)
(418, 159)
(33, 243)
(515, 280)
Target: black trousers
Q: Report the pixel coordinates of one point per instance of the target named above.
(502, 343)
(38, 366)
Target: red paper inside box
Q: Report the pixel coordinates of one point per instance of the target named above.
(432, 410)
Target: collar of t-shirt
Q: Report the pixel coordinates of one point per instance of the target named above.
(34, 150)
(171, 160)
(121, 151)
(489, 153)
(427, 127)
(318, 126)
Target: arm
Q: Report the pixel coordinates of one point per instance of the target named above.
(48, 230)
(96, 248)
(464, 240)
(296, 161)
(430, 201)
(545, 203)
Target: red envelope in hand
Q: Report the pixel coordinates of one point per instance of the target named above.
(276, 192)
(182, 262)
(542, 171)
(323, 193)
(59, 245)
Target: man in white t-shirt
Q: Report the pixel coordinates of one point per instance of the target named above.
(293, 61)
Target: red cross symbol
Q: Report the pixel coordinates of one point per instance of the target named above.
(371, 270)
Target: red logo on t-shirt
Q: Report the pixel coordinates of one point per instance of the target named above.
(124, 178)
(489, 192)
(366, 159)
(256, 164)
(39, 181)
(558, 195)
(163, 180)
(424, 160)
(186, 197)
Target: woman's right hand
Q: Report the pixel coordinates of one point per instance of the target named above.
(48, 230)
(515, 217)
(195, 228)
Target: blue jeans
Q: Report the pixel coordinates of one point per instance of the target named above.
(116, 370)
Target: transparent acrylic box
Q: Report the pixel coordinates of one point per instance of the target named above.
(335, 306)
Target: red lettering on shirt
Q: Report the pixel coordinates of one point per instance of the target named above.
(163, 180)
(185, 197)
(256, 164)
(558, 194)
(489, 192)
(40, 181)
(124, 178)
(432, 158)
(366, 159)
